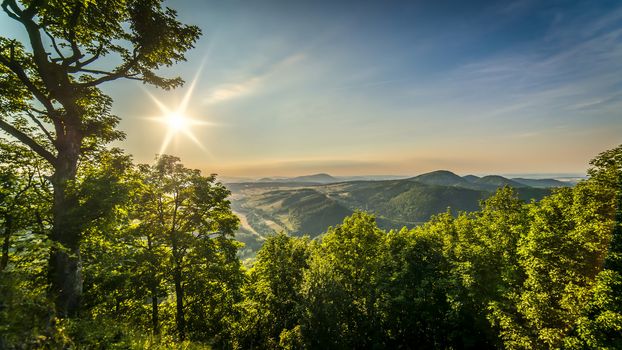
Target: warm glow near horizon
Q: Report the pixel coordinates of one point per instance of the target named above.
(356, 88)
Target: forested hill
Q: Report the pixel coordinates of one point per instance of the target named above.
(162, 268)
(302, 206)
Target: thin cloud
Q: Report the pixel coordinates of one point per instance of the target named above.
(253, 84)
(231, 91)
(577, 76)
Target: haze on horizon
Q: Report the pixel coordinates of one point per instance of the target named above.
(361, 88)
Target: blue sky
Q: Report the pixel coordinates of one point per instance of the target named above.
(389, 87)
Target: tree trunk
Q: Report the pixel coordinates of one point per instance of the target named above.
(65, 268)
(153, 287)
(179, 296)
(6, 244)
(154, 311)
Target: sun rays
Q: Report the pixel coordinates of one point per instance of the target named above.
(177, 120)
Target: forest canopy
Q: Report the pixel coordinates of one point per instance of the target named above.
(100, 252)
(160, 267)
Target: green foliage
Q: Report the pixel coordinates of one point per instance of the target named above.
(51, 102)
(600, 324)
(274, 301)
(24, 218)
(513, 275)
(167, 259)
(342, 285)
(417, 271)
(161, 268)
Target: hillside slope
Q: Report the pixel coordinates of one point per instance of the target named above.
(302, 208)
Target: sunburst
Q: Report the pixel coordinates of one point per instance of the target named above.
(177, 119)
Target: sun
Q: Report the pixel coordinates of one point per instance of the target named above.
(177, 121)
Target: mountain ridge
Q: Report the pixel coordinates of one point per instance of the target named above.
(297, 207)
(313, 178)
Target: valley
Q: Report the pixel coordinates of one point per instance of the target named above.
(308, 205)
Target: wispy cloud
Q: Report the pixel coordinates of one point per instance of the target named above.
(252, 84)
(575, 75)
(233, 90)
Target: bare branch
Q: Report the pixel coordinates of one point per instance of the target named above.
(84, 70)
(32, 9)
(38, 110)
(123, 73)
(76, 53)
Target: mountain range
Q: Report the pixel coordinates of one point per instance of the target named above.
(310, 204)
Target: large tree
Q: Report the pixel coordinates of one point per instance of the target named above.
(185, 219)
(52, 82)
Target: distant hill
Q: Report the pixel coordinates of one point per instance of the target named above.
(542, 183)
(296, 211)
(441, 178)
(316, 178)
(492, 182)
(485, 183)
(310, 204)
(471, 178)
(370, 178)
(406, 203)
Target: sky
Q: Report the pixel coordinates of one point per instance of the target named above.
(388, 87)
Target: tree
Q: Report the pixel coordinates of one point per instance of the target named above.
(274, 300)
(416, 282)
(25, 200)
(606, 180)
(341, 286)
(190, 215)
(600, 325)
(24, 194)
(55, 88)
(561, 256)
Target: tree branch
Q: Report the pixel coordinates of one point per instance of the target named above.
(121, 73)
(15, 12)
(76, 53)
(85, 70)
(111, 76)
(47, 71)
(39, 95)
(58, 52)
(28, 141)
(92, 59)
(32, 9)
(40, 125)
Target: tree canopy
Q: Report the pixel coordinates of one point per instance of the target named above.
(100, 252)
(51, 102)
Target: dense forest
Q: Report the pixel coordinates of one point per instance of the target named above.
(308, 207)
(98, 252)
(160, 268)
